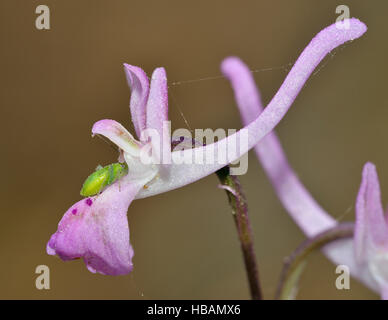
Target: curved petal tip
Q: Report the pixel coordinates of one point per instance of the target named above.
(139, 84)
(357, 27)
(371, 230)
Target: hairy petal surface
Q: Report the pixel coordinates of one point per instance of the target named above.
(157, 114)
(96, 229)
(157, 104)
(177, 175)
(139, 85)
(306, 212)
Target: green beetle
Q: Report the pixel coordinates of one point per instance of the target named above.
(103, 177)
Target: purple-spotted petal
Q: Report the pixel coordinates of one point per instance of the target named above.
(96, 229)
(371, 230)
(180, 174)
(116, 133)
(139, 85)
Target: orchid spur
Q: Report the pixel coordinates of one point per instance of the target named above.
(367, 254)
(96, 228)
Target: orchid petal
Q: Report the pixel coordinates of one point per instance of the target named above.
(180, 174)
(244, 88)
(157, 113)
(96, 229)
(306, 212)
(384, 294)
(139, 85)
(157, 104)
(371, 230)
(386, 215)
(116, 133)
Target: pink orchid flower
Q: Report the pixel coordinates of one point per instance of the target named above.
(96, 228)
(367, 254)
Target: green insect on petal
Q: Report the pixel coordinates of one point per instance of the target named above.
(102, 178)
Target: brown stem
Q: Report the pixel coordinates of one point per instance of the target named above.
(239, 206)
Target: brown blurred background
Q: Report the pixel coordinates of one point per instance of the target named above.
(55, 84)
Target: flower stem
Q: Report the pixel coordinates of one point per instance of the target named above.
(238, 202)
(294, 264)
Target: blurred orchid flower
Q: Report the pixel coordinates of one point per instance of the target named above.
(367, 254)
(371, 230)
(96, 228)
